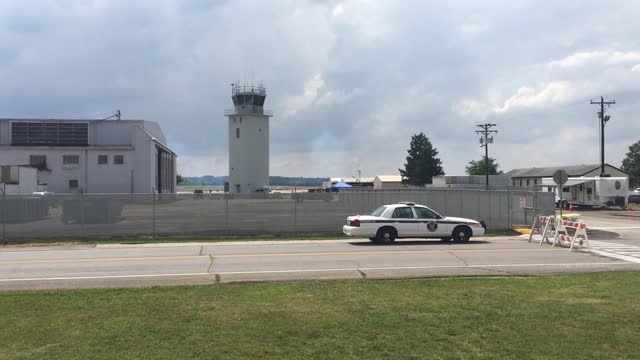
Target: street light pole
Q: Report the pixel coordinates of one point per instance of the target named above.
(484, 142)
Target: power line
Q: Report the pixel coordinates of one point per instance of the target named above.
(485, 140)
(603, 121)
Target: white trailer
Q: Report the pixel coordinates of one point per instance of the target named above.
(590, 191)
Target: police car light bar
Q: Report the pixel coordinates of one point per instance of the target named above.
(409, 203)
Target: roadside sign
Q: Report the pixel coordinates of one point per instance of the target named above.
(560, 177)
(523, 201)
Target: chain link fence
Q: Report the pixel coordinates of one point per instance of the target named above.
(112, 215)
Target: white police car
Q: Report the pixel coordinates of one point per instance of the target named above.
(409, 220)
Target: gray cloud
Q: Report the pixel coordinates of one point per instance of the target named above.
(349, 81)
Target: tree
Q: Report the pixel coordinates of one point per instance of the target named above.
(631, 164)
(422, 162)
(480, 167)
(179, 179)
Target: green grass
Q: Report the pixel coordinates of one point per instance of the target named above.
(595, 316)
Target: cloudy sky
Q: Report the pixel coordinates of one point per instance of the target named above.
(349, 82)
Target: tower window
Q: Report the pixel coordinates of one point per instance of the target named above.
(237, 133)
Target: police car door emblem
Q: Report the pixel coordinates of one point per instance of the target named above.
(432, 226)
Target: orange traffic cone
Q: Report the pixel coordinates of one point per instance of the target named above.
(629, 208)
(570, 207)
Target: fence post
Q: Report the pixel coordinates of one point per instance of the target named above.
(295, 213)
(509, 200)
(490, 217)
(153, 226)
(4, 214)
(83, 208)
(226, 213)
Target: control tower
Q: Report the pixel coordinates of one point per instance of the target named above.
(248, 139)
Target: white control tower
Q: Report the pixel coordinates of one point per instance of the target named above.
(248, 139)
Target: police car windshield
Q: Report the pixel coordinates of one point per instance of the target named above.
(378, 211)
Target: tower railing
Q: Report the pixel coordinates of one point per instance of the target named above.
(248, 110)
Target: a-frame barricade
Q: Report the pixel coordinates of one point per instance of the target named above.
(543, 225)
(579, 237)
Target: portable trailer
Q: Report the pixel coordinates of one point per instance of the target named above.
(590, 191)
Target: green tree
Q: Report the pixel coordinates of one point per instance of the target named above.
(179, 179)
(480, 167)
(631, 164)
(422, 162)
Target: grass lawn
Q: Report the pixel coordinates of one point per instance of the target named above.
(594, 316)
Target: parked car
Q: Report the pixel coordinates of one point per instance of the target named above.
(634, 199)
(409, 220)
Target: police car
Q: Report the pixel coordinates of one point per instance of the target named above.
(409, 220)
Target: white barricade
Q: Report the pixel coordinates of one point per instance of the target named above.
(579, 237)
(543, 225)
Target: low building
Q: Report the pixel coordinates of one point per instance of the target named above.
(471, 181)
(356, 182)
(19, 180)
(385, 182)
(529, 177)
(91, 156)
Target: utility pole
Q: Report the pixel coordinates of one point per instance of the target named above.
(603, 121)
(485, 140)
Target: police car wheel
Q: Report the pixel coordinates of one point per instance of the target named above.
(461, 234)
(386, 235)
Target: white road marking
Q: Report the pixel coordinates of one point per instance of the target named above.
(99, 277)
(614, 228)
(624, 252)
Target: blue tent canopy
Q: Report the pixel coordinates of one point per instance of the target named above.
(340, 185)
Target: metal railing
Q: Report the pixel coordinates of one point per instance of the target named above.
(250, 109)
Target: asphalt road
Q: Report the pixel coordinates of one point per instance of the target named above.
(615, 239)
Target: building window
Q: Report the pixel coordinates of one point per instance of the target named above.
(9, 174)
(535, 182)
(38, 161)
(118, 159)
(70, 160)
(528, 183)
(73, 184)
(520, 182)
(49, 133)
(237, 133)
(103, 159)
(514, 182)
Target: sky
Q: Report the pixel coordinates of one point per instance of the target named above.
(349, 82)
